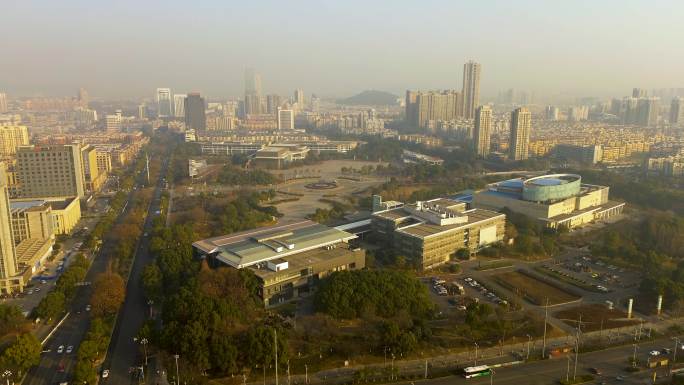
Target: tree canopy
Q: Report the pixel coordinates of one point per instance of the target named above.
(353, 294)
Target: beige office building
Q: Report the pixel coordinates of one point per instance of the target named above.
(521, 125)
(31, 219)
(430, 233)
(104, 161)
(51, 171)
(11, 137)
(432, 106)
(482, 131)
(93, 177)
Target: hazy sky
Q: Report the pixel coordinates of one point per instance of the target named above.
(119, 48)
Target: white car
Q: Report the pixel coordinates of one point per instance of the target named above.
(87, 308)
(105, 373)
(69, 349)
(654, 353)
(60, 349)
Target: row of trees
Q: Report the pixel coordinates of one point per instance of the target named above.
(232, 175)
(55, 302)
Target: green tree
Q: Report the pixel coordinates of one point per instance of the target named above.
(51, 306)
(108, 294)
(22, 354)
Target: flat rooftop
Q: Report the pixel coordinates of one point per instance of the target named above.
(260, 245)
(475, 216)
(299, 261)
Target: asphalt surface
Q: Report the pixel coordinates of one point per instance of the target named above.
(611, 363)
(123, 353)
(74, 328)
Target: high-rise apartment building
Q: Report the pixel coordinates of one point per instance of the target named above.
(299, 97)
(252, 82)
(676, 111)
(3, 102)
(195, 117)
(483, 130)
(551, 113)
(93, 178)
(285, 119)
(50, 171)
(425, 107)
(179, 105)
(639, 93)
(273, 102)
(11, 137)
(8, 258)
(164, 104)
(471, 88)
(578, 113)
(521, 125)
(83, 97)
(142, 111)
(114, 122)
(647, 114)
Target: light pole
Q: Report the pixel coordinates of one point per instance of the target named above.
(634, 361)
(491, 377)
(529, 340)
(674, 354)
(306, 374)
(476, 346)
(7, 374)
(392, 372)
(144, 344)
(176, 356)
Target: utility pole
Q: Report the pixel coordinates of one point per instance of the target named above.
(306, 374)
(529, 340)
(634, 356)
(288, 372)
(275, 344)
(574, 374)
(567, 371)
(674, 354)
(546, 317)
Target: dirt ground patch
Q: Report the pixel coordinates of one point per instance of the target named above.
(534, 290)
(595, 317)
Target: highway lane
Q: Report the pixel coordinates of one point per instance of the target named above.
(123, 351)
(611, 362)
(74, 328)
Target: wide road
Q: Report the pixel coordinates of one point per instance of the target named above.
(123, 350)
(611, 363)
(74, 328)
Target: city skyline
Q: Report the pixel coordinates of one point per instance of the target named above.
(543, 53)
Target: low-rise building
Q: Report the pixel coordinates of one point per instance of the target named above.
(64, 213)
(430, 233)
(288, 260)
(277, 156)
(559, 200)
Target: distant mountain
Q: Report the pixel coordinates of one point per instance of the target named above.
(370, 98)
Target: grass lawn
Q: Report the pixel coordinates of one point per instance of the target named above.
(534, 290)
(594, 316)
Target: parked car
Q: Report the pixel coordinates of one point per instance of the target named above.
(105, 373)
(60, 349)
(69, 349)
(654, 353)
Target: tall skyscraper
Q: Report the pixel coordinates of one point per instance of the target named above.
(164, 104)
(551, 112)
(299, 97)
(647, 114)
(471, 88)
(179, 105)
(83, 98)
(639, 93)
(521, 125)
(252, 82)
(8, 257)
(285, 119)
(273, 102)
(483, 130)
(50, 171)
(676, 111)
(3, 102)
(142, 111)
(195, 117)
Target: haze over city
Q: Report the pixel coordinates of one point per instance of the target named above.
(341, 192)
(126, 48)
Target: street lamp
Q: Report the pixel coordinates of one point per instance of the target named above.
(529, 340)
(476, 346)
(7, 374)
(176, 356)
